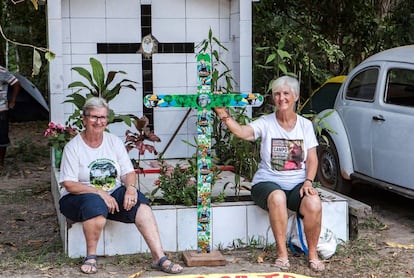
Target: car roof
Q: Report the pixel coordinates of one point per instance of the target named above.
(403, 54)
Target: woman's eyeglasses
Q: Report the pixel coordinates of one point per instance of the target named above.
(97, 118)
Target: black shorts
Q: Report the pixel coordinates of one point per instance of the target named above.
(79, 208)
(4, 129)
(260, 192)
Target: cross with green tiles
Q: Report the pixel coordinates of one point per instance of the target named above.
(204, 101)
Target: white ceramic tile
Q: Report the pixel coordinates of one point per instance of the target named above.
(222, 219)
(224, 34)
(171, 120)
(187, 229)
(246, 74)
(83, 48)
(168, 9)
(121, 30)
(122, 9)
(121, 238)
(202, 9)
(245, 38)
(55, 9)
(90, 8)
(198, 28)
(77, 243)
(177, 149)
(65, 29)
(88, 30)
(167, 227)
(224, 7)
(235, 26)
(131, 58)
(169, 75)
(169, 91)
(258, 227)
(169, 29)
(170, 58)
(235, 6)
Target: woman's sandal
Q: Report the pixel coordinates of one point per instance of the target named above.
(165, 268)
(316, 265)
(93, 266)
(282, 264)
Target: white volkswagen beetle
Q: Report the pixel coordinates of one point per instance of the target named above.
(373, 124)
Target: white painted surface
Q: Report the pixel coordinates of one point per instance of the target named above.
(76, 26)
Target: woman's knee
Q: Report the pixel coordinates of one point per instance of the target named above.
(311, 204)
(276, 198)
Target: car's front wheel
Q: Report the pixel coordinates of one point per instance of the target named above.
(329, 171)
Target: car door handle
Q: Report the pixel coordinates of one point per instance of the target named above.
(378, 118)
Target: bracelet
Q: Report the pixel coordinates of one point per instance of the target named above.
(309, 180)
(133, 185)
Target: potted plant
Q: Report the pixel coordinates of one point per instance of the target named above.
(58, 136)
(136, 140)
(99, 86)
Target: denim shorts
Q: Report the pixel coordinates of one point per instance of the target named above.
(81, 207)
(261, 191)
(4, 129)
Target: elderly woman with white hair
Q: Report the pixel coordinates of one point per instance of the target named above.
(281, 182)
(99, 183)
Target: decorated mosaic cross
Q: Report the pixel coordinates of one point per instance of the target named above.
(204, 101)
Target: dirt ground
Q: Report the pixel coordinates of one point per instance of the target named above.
(30, 245)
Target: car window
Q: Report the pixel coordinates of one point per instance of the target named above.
(400, 87)
(323, 99)
(362, 86)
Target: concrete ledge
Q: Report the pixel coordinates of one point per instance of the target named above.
(232, 223)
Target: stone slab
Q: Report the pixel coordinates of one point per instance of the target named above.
(193, 258)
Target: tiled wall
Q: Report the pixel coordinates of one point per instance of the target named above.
(81, 29)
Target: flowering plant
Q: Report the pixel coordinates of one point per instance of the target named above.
(59, 135)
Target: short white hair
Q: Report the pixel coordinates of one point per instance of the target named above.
(94, 103)
(292, 82)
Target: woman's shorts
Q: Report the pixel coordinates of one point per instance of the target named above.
(79, 208)
(260, 192)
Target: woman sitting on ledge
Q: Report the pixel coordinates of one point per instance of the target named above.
(99, 183)
(287, 168)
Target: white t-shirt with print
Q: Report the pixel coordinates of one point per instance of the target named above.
(283, 154)
(99, 167)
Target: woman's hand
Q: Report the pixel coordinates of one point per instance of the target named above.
(307, 190)
(109, 201)
(130, 198)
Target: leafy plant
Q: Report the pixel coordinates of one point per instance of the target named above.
(179, 184)
(136, 140)
(98, 85)
(58, 135)
(209, 45)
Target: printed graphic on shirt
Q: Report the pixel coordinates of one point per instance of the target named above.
(103, 174)
(286, 154)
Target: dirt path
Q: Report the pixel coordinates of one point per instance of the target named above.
(30, 245)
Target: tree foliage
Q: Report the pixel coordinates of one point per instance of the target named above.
(23, 23)
(324, 38)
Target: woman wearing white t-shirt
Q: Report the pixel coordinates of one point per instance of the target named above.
(287, 168)
(99, 183)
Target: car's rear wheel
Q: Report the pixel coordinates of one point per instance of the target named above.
(329, 171)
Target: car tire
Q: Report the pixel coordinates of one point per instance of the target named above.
(329, 170)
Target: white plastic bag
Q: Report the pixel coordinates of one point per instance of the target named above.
(296, 239)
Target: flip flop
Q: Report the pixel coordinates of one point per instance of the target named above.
(94, 266)
(165, 268)
(282, 264)
(316, 265)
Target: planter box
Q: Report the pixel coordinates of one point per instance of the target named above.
(232, 223)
